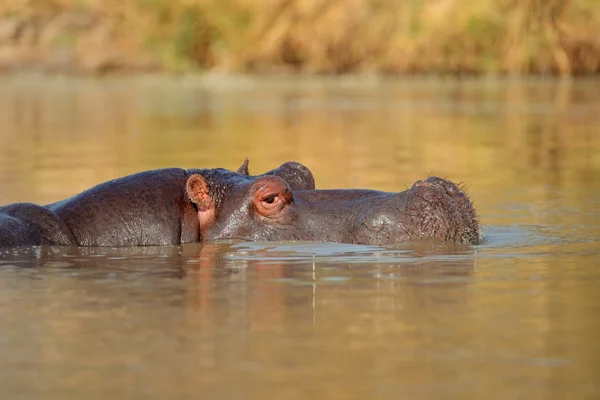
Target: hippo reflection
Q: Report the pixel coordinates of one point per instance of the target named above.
(175, 206)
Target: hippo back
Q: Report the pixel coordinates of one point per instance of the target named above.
(26, 224)
(147, 208)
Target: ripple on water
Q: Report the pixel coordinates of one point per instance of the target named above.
(349, 254)
(530, 241)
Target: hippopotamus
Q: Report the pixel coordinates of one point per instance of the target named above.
(268, 209)
(147, 208)
(177, 206)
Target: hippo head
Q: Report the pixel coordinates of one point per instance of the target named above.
(268, 208)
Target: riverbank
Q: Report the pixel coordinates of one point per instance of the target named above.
(310, 37)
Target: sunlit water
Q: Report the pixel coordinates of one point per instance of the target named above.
(516, 317)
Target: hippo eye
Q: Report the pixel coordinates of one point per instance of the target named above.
(270, 195)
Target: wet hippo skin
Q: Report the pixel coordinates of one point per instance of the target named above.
(147, 208)
(174, 206)
(26, 224)
(269, 209)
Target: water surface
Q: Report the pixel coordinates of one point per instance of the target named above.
(516, 317)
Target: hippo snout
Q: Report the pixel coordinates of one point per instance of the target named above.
(442, 209)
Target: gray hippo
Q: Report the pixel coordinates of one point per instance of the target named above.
(174, 206)
(147, 208)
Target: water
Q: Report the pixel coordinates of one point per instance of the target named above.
(516, 317)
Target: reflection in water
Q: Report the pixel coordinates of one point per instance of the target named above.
(296, 320)
(515, 317)
(222, 308)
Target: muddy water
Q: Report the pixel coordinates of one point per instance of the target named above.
(517, 317)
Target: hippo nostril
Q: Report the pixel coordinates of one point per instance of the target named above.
(420, 183)
(449, 187)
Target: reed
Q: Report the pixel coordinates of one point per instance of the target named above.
(351, 36)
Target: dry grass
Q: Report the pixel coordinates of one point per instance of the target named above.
(351, 36)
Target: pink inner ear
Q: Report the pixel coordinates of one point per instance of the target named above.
(198, 192)
(204, 202)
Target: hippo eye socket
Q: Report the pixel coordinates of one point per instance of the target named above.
(270, 195)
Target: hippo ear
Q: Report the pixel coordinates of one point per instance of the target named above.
(243, 170)
(270, 195)
(199, 192)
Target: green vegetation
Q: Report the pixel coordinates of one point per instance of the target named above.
(352, 36)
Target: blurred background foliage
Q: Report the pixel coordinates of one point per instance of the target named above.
(303, 36)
